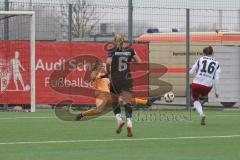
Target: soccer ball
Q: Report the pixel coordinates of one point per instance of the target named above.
(169, 97)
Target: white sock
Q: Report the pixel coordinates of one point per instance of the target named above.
(198, 107)
(129, 122)
(119, 117)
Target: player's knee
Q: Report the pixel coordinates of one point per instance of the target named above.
(121, 102)
(126, 101)
(99, 110)
(194, 98)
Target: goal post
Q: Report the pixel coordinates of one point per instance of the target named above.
(31, 14)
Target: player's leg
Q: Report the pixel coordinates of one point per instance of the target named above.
(149, 101)
(114, 91)
(101, 102)
(117, 112)
(138, 101)
(116, 108)
(196, 93)
(126, 98)
(204, 91)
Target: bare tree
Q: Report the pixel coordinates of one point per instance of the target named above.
(85, 18)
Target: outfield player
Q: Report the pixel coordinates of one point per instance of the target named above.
(207, 70)
(119, 59)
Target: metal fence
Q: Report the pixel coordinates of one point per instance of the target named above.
(99, 20)
(82, 20)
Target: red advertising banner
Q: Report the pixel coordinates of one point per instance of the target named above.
(62, 71)
(14, 72)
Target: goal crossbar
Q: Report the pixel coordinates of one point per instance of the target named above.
(30, 13)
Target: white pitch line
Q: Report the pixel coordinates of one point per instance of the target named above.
(8, 118)
(2, 118)
(113, 140)
(226, 115)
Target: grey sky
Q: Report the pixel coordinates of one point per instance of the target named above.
(150, 13)
(197, 4)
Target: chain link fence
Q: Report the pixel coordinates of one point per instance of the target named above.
(163, 24)
(93, 20)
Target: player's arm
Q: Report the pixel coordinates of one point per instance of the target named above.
(108, 65)
(136, 58)
(93, 76)
(194, 67)
(216, 81)
(96, 75)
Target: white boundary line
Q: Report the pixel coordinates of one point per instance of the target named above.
(114, 140)
(50, 117)
(2, 118)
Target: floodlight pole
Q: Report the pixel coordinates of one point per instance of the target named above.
(70, 22)
(130, 20)
(187, 58)
(6, 23)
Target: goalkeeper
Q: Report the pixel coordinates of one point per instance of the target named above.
(102, 93)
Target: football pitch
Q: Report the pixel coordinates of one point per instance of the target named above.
(41, 136)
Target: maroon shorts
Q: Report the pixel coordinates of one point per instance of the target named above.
(199, 90)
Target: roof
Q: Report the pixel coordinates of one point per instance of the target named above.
(194, 36)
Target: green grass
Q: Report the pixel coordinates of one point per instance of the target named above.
(15, 127)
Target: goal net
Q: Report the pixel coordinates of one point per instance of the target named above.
(17, 60)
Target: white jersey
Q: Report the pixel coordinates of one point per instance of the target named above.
(206, 71)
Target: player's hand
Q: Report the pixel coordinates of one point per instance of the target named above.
(217, 95)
